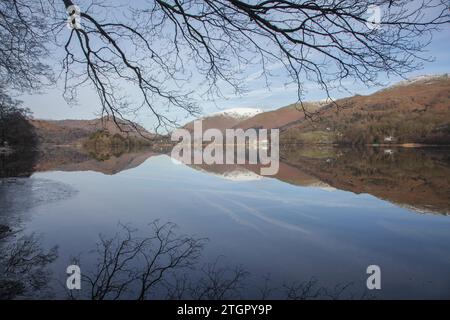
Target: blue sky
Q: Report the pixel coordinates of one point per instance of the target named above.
(51, 105)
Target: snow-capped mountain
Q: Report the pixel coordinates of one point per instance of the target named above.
(225, 119)
(427, 78)
(279, 117)
(239, 113)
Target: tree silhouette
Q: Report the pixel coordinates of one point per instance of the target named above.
(15, 129)
(24, 36)
(157, 46)
(24, 271)
(162, 264)
(132, 265)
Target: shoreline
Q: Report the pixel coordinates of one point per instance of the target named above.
(408, 145)
(373, 145)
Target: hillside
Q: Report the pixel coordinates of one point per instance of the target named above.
(76, 131)
(414, 111)
(226, 119)
(278, 118)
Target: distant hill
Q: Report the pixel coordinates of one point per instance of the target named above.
(225, 119)
(413, 111)
(280, 117)
(75, 131)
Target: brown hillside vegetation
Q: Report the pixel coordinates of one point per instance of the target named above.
(226, 119)
(75, 131)
(220, 122)
(410, 112)
(278, 118)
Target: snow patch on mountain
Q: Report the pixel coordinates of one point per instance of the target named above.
(239, 113)
(241, 175)
(421, 79)
(322, 185)
(236, 174)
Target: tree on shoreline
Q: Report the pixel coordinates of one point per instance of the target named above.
(15, 129)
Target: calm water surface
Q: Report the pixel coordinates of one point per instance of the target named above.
(327, 215)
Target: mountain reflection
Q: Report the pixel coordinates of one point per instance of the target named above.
(417, 178)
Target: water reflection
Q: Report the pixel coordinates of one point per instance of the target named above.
(78, 159)
(298, 224)
(418, 178)
(21, 163)
(159, 264)
(163, 264)
(24, 265)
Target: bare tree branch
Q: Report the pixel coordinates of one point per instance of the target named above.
(134, 266)
(147, 55)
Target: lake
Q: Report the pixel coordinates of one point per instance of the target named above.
(310, 231)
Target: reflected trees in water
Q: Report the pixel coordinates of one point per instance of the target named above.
(24, 265)
(164, 265)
